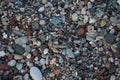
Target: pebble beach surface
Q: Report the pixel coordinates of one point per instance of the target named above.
(59, 39)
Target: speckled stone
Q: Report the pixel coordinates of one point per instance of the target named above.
(110, 38)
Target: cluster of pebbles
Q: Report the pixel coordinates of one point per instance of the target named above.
(59, 39)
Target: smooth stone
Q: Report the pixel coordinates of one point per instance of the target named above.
(89, 5)
(83, 11)
(46, 51)
(74, 17)
(85, 19)
(112, 77)
(2, 53)
(21, 40)
(27, 48)
(18, 49)
(102, 23)
(69, 53)
(22, 9)
(18, 32)
(44, 1)
(42, 22)
(19, 66)
(28, 56)
(42, 61)
(118, 1)
(92, 20)
(10, 49)
(55, 21)
(103, 32)
(110, 38)
(26, 76)
(42, 37)
(12, 63)
(35, 25)
(35, 73)
(18, 57)
(41, 9)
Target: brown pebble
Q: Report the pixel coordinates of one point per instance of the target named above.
(118, 26)
(116, 55)
(4, 67)
(28, 32)
(81, 31)
(57, 71)
(9, 57)
(53, 61)
(101, 71)
(35, 53)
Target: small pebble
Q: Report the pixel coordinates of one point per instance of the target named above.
(4, 67)
(74, 17)
(21, 40)
(46, 51)
(112, 77)
(81, 32)
(41, 9)
(19, 66)
(12, 63)
(2, 53)
(42, 22)
(26, 76)
(69, 53)
(110, 38)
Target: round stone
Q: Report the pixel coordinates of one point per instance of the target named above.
(74, 17)
(81, 31)
(42, 22)
(12, 63)
(112, 77)
(35, 25)
(118, 26)
(2, 53)
(110, 38)
(18, 49)
(44, 1)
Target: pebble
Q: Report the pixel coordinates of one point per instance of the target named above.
(41, 9)
(21, 40)
(18, 49)
(57, 71)
(12, 63)
(26, 76)
(44, 1)
(35, 73)
(69, 53)
(102, 23)
(92, 20)
(74, 17)
(118, 26)
(18, 57)
(46, 50)
(89, 5)
(9, 56)
(55, 21)
(2, 53)
(42, 61)
(42, 22)
(112, 77)
(118, 1)
(35, 25)
(86, 18)
(4, 67)
(19, 66)
(81, 31)
(53, 61)
(83, 11)
(110, 38)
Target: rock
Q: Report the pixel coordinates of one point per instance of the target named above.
(74, 17)
(18, 32)
(27, 48)
(113, 19)
(41, 9)
(57, 71)
(9, 56)
(2, 53)
(26, 76)
(118, 26)
(18, 49)
(55, 21)
(102, 23)
(118, 1)
(10, 49)
(83, 11)
(22, 9)
(21, 40)
(42, 37)
(12, 63)
(85, 19)
(103, 32)
(69, 53)
(35, 73)
(28, 56)
(18, 57)
(44, 1)
(42, 22)
(19, 66)
(110, 38)
(46, 51)
(112, 77)
(92, 20)
(81, 31)
(42, 61)
(53, 61)
(4, 67)
(89, 5)
(35, 25)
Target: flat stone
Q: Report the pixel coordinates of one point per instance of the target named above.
(55, 21)
(118, 26)
(18, 57)
(44, 1)
(19, 66)
(81, 31)
(4, 67)
(42, 61)
(18, 49)
(35, 25)
(35, 73)
(85, 19)
(92, 20)
(69, 53)
(2, 53)
(83, 11)
(102, 23)
(21, 40)
(74, 17)
(42, 22)
(26, 76)
(41, 9)
(110, 38)
(12, 63)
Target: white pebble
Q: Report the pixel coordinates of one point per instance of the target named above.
(42, 22)
(35, 73)
(74, 17)
(112, 77)
(92, 20)
(45, 51)
(41, 9)
(26, 76)
(2, 53)
(42, 61)
(19, 66)
(28, 56)
(12, 63)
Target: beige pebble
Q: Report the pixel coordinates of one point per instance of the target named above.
(44, 1)
(74, 17)
(42, 22)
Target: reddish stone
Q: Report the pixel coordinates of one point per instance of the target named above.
(4, 67)
(81, 31)
(118, 26)
(116, 55)
(35, 53)
(53, 61)
(101, 71)
(57, 71)
(9, 57)
(28, 32)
